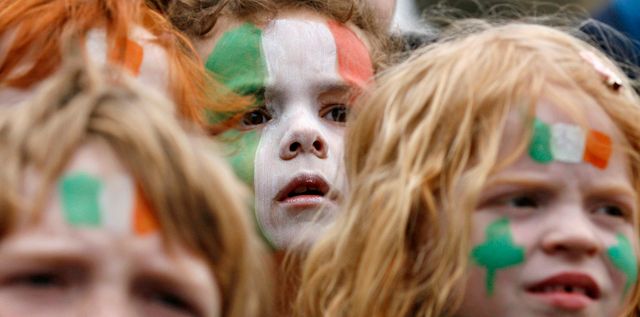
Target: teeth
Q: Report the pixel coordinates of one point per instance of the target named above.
(564, 289)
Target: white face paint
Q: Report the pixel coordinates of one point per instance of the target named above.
(301, 147)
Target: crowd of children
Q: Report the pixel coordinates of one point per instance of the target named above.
(227, 158)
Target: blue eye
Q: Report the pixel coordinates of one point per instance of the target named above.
(255, 117)
(336, 113)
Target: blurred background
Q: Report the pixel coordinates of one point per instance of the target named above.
(408, 11)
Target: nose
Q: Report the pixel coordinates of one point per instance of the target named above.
(303, 140)
(107, 302)
(574, 238)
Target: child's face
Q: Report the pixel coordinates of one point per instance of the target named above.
(85, 257)
(304, 71)
(555, 238)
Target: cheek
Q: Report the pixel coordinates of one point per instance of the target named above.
(623, 256)
(240, 150)
(498, 251)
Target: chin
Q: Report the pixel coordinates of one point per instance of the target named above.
(297, 234)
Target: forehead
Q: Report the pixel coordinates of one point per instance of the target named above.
(246, 57)
(94, 190)
(571, 125)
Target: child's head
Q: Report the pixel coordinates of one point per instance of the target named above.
(494, 174)
(127, 33)
(108, 206)
(301, 67)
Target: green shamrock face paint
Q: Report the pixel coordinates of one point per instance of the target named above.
(624, 258)
(498, 251)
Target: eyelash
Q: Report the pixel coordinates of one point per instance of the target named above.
(250, 118)
(536, 200)
(171, 301)
(38, 280)
(330, 110)
(612, 210)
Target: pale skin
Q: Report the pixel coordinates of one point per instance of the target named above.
(49, 267)
(564, 217)
(300, 127)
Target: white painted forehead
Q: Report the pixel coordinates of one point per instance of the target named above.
(295, 48)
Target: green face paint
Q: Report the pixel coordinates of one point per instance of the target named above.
(624, 258)
(240, 151)
(497, 252)
(238, 61)
(79, 193)
(540, 147)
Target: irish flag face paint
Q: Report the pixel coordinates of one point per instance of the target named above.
(96, 192)
(289, 144)
(554, 239)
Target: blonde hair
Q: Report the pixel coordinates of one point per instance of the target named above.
(195, 197)
(429, 132)
(196, 18)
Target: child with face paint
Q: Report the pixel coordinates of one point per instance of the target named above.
(110, 208)
(301, 63)
(125, 33)
(494, 174)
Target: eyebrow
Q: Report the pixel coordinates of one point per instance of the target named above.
(534, 180)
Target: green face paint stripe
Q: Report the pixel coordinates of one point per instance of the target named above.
(79, 195)
(238, 61)
(240, 151)
(624, 258)
(497, 252)
(540, 147)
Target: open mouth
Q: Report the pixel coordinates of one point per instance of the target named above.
(567, 285)
(304, 187)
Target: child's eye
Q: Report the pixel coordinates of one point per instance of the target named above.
(255, 117)
(336, 113)
(159, 301)
(39, 280)
(611, 211)
(522, 201)
(172, 302)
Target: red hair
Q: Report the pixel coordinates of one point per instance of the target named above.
(35, 30)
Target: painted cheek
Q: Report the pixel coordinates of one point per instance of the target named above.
(624, 258)
(497, 252)
(240, 150)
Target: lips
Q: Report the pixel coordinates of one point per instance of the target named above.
(304, 190)
(567, 291)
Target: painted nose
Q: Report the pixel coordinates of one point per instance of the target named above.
(574, 238)
(301, 141)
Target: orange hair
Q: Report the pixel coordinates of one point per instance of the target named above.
(33, 32)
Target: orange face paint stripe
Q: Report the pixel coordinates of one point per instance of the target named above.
(354, 62)
(144, 221)
(598, 149)
(130, 56)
